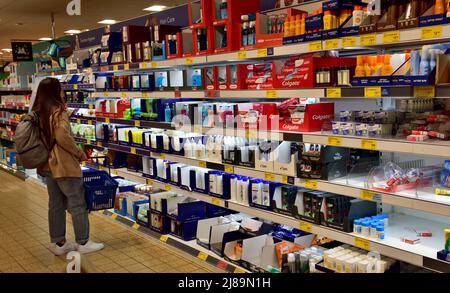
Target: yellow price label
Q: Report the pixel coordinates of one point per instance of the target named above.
(75, 86)
(216, 201)
(242, 55)
(335, 141)
(311, 184)
(154, 64)
(369, 144)
(107, 120)
(126, 67)
(83, 163)
(391, 37)
(424, 92)
(116, 67)
(262, 52)
(249, 133)
(143, 65)
(284, 179)
(362, 243)
(202, 255)
(162, 156)
(145, 94)
(136, 226)
(149, 182)
(133, 150)
(137, 123)
(331, 44)
(89, 70)
(368, 195)
(91, 106)
(368, 40)
(202, 164)
(315, 46)
(229, 169)
(269, 176)
(305, 226)
(124, 94)
(164, 238)
(114, 216)
(272, 94)
(334, 92)
(89, 122)
(106, 94)
(99, 144)
(88, 141)
(349, 42)
(432, 32)
(78, 121)
(372, 92)
(189, 61)
(238, 271)
(115, 172)
(197, 128)
(168, 187)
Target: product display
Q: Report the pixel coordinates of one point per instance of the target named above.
(287, 137)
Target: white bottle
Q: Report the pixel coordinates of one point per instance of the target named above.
(245, 184)
(188, 149)
(233, 189)
(239, 195)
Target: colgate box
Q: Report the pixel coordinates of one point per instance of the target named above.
(299, 72)
(260, 76)
(306, 118)
(262, 116)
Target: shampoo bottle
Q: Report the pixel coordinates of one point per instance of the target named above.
(387, 68)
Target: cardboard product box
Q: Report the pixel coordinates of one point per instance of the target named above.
(327, 164)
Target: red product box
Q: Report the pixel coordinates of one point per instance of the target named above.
(262, 116)
(210, 78)
(315, 115)
(260, 76)
(179, 42)
(237, 74)
(299, 71)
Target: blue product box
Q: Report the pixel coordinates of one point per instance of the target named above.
(213, 211)
(158, 222)
(316, 36)
(193, 180)
(314, 22)
(184, 230)
(338, 4)
(225, 185)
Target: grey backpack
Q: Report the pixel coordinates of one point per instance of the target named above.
(30, 148)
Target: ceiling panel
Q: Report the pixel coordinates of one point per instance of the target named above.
(30, 19)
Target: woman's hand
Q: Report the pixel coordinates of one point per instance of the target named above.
(83, 156)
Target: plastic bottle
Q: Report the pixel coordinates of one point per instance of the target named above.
(298, 25)
(252, 34)
(387, 68)
(303, 25)
(439, 7)
(287, 27)
(328, 20)
(344, 15)
(357, 227)
(380, 231)
(168, 113)
(367, 69)
(424, 68)
(245, 34)
(292, 26)
(373, 230)
(433, 54)
(448, 12)
(357, 15)
(224, 42)
(224, 9)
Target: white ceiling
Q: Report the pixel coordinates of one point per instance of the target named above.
(34, 15)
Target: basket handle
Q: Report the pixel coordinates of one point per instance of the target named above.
(107, 162)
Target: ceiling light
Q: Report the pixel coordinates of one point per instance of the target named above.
(45, 39)
(7, 50)
(108, 21)
(72, 32)
(155, 8)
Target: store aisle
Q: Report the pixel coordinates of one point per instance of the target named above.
(24, 239)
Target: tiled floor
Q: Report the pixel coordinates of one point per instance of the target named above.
(24, 239)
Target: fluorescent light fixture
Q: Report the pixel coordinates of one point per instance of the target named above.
(72, 32)
(45, 39)
(155, 8)
(108, 21)
(7, 50)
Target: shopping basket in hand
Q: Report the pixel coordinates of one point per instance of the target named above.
(100, 190)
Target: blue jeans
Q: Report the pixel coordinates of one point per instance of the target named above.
(67, 194)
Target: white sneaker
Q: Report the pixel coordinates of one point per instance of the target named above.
(67, 247)
(89, 247)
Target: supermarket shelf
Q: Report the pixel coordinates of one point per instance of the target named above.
(14, 108)
(84, 120)
(80, 106)
(8, 123)
(422, 200)
(77, 87)
(9, 139)
(18, 89)
(155, 94)
(8, 169)
(189, 247)
(423, 254)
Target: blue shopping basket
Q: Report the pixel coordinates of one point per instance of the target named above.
(100, 190)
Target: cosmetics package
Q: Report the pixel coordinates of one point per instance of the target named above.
(159, 223)
(240, 189)
(184, 214)
(308, 204)
(133, 38)
(322, 162)
(177, 80)
(195, 79)
(210, 231)
(339, 212)
(283, 199)
(219, 184)
(265, 156)
(286, 158)
(260, 76)
(161, 80)
(199, 179)
(262, 192)
(149, 167)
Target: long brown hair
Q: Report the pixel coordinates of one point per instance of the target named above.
(48, 99)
